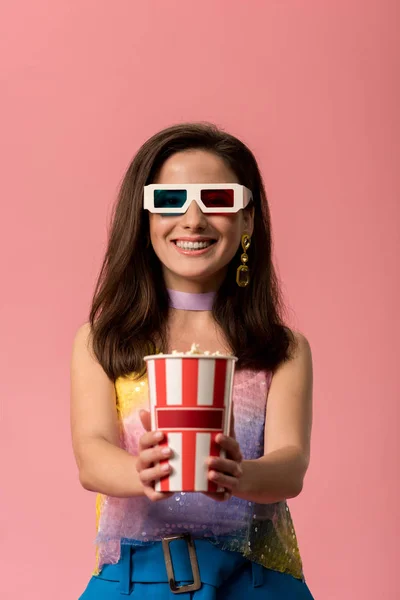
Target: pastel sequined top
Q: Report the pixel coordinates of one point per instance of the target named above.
(264, 533)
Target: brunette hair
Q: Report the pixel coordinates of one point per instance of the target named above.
(129, 311)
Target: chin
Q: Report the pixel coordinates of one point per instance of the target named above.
(195, 276)
(200, 275)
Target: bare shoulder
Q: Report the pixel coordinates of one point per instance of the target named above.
(302, 347)
(84, 331)
(289, 406)
(82, 340)
(82, 349)
(84, 364)
(93, 398)
(299, 361)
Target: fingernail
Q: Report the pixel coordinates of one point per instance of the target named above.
(166, 451)
(165, 467)
(159, 435)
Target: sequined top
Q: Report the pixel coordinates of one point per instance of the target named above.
(264, 533)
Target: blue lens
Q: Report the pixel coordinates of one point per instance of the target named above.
(169, 198)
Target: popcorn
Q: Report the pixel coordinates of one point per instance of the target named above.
(190, 399)
(195, 351)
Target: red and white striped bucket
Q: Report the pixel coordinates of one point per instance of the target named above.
(190, 400)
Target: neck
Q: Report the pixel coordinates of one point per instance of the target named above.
(190, 300)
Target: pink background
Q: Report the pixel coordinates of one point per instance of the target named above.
(311, 87)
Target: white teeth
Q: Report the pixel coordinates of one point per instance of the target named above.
(193, 245)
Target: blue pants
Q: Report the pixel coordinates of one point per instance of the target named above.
(141, 573)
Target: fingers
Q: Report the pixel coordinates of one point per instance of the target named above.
(231, 446)
(229, 482)
(145, 419)
(225, 465)
(151, 463)
(153, 455)
(156, 496)
(148, 476)
(150, 439)
(226, 472)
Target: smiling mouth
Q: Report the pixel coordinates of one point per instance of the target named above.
(192, 246)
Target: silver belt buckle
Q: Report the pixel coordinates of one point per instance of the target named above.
(190, 587)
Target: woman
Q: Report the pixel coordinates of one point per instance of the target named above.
(189, 260)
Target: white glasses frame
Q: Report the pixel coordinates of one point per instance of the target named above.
(241, 197)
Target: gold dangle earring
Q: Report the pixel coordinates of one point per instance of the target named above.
(243, 272)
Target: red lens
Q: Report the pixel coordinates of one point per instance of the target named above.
(217, 198)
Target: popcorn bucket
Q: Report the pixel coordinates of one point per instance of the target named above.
(190, 401)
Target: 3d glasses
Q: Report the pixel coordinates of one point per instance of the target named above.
(210, 197)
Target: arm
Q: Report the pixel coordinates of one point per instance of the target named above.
(103, 466)
(278, 474)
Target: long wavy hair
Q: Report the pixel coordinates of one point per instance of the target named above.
(129, 310)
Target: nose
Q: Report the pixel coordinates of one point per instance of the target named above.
(194, 218)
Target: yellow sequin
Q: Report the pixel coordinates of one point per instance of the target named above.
(132, 394)
(273, 547)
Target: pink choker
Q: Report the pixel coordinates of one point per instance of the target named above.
(188, 301)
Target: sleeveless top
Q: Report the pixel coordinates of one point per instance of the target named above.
(263, 533)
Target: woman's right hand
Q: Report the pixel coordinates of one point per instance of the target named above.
(148, 464)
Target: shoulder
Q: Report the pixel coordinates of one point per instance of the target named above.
(82, 342)
(300, 356)
(82, 347)
(82, 335)
(86, 371)
(301, 345)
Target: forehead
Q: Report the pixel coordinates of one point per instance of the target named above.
(195, 166)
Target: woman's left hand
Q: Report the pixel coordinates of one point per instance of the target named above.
(225, 472)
